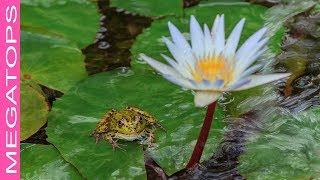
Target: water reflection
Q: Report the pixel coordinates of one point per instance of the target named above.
(110, 49)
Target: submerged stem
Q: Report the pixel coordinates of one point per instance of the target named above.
(203, 136)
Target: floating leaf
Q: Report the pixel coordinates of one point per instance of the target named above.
(151, 7)
(76, 20)
(34, 110)
(44, 162)
(50, 61)
(288, 148)
(76, 114)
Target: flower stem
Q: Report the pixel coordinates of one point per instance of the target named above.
(203, 136)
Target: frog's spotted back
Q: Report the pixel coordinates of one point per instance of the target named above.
(129, 124)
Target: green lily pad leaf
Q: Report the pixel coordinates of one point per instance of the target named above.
(151, 7)
(76, 114)
(76, 20)
(34, 110)
(44, 162)
(50, 60)
(288, 148)
(150, 41)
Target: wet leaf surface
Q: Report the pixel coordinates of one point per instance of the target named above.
(50, 60)
(76, 20)
(76, 114)
(151, 7)
(287, 148)
(34, 110)
(46, 163)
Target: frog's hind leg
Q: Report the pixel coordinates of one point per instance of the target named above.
(98, 137)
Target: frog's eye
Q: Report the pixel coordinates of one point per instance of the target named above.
(121, 122)
(138, 118)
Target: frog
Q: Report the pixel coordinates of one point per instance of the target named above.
(130, 124)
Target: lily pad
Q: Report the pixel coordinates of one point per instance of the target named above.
(50, 60)
(44, 162)
(76, 20)
(288, 148)
(76, 114)
(151, 7)
(34, 110)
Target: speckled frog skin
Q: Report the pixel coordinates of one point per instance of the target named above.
(129, 124)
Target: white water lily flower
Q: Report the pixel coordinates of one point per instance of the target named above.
(212, 65)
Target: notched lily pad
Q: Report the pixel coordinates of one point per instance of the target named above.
(44, 162)
(50, 60)
(76, 114)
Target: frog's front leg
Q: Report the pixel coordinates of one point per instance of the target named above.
(149, 137)
(113, 141)
(158, 125)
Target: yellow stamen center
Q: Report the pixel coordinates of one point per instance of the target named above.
(212, 69)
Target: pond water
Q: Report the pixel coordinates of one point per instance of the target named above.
(254, 121)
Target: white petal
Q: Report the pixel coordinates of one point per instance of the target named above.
(208, 42)
(175, 51)
(162, 68)
(250, 43)
(197, 36)
(238, 84)
(254, 57)
(183, 59)
(244, 74)
(177, 37)
(178, 80)
(257, 80)
(182, 44)
(251, 70)
(215, 26)
(219, 39)
(241, 66)
(233, 39)
(204, 98)
(249, 53)
(173, 64)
